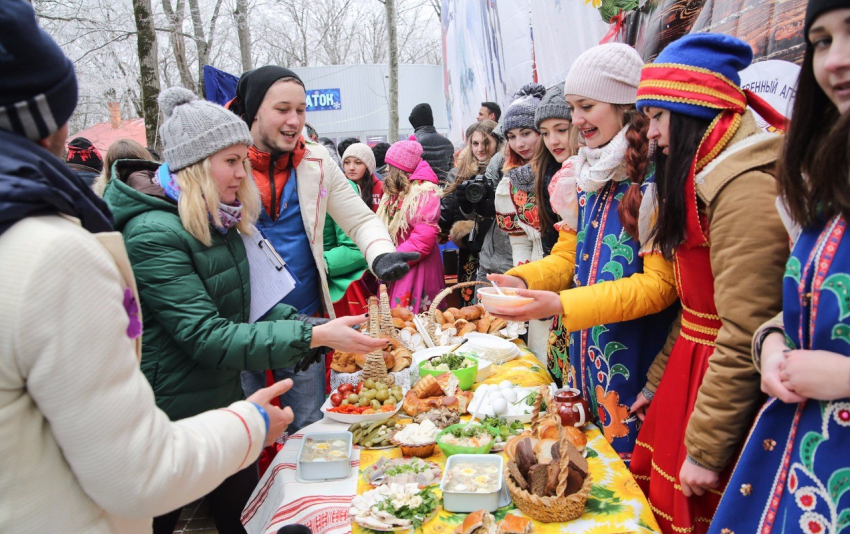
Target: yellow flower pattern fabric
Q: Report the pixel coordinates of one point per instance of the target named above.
(616, 503)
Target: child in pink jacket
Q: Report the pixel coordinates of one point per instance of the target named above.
(410, 208)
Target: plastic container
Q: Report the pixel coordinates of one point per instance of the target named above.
(451, 450)
(326, 470)
(464, 502)
(484, 367)
(465, 377)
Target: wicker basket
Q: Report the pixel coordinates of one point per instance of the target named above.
(375, 367)
(431, 316)
(549, 509)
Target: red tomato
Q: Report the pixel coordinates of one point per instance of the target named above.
(358, 388)
(344, 389)
(336, 399)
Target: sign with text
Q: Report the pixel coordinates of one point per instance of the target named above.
(323, 100)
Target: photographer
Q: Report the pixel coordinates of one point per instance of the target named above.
(469, 187)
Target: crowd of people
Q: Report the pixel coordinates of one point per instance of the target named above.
(686, 271)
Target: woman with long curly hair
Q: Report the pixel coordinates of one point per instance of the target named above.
(605, 278)
(472, 162)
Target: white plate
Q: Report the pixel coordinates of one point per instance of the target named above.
(522, 392)
(353, 418)
(398, 529)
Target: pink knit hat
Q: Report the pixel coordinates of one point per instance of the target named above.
(405, 155)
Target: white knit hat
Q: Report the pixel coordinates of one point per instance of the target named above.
(363, 153)
(608, 73)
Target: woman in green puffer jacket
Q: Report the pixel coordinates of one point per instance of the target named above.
(181, 225)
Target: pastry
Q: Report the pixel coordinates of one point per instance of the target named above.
(454, 311)
(525, 458)
(548, 428)
(577, 461)
(398, 323)
(470, 313)
(344, 362)
(574, 483)
(478, 522)
(538, 475)
(448, 383)
(497, 325)
(576, 436)
(552, 471)
(514, 524)
(543, 450)
(449, 318)
(427, 387)
(401, 313)
(468, 328)
(484, 324)
(514, 471)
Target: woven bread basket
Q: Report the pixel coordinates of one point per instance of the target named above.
(549, 509)
(431, 316)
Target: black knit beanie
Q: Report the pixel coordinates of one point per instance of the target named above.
(817, 8)
(421, 116)
(252, 89)
(38, 87)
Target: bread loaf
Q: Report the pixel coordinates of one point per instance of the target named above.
(427, 387)
(543, 450)
(514, 471)
(401, 313)
(525, 457)
(538, 475)
(552, 471)
(470, 313)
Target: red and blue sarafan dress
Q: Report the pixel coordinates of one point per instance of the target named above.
(794, 472)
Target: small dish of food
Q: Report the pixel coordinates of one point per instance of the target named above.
(472, 482)
(509, 298)
(463, 365)
(325, 456)
(417, 439)
(403, 471)
(466, 439)
(394, 507)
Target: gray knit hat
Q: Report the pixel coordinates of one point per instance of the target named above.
(607, 73)
(194, 129)
(361, 152)
(520, 112)
(553, 106)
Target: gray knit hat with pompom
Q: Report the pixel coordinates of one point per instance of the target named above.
(520, 113)
(194, 129)
(552, 106)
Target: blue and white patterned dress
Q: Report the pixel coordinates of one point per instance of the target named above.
(794, 472)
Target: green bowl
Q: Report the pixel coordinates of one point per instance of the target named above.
(449, 450)
(465, 377)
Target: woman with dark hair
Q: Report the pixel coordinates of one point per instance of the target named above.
(611, 288)
(718, 222)
(793, 470)
(472, 162)
(358, 163)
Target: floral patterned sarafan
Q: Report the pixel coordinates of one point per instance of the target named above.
(610, 362)
(797, 458)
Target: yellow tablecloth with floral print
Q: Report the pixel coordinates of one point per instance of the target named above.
(616, 504)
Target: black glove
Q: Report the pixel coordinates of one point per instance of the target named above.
(313, 355)
(391, 266)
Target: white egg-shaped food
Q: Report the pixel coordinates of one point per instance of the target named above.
(500, 406)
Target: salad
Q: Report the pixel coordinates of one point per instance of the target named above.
(506, 430)
(394, 506)
(449, 362)
(469, 436)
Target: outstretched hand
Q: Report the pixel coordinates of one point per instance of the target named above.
(545, 304)
(393, 266)
(339, 335)
(279, 418)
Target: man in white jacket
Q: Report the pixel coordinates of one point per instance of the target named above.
(299, 184)
(83, 447)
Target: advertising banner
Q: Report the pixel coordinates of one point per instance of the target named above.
(323, 100)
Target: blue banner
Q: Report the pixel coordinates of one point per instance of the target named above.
(220, 86)
(323, 100)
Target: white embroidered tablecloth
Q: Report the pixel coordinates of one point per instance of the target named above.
(279, 499)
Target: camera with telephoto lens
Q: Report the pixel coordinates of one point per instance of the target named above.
(474, 190)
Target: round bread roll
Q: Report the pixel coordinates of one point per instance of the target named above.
(548, 428)
(401, 313)
(577, 437)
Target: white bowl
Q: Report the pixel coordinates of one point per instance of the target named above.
(489, 297)
(354, 418)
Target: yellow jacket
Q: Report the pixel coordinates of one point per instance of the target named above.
(628, 298)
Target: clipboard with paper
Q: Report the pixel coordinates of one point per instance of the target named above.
(271, 279)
